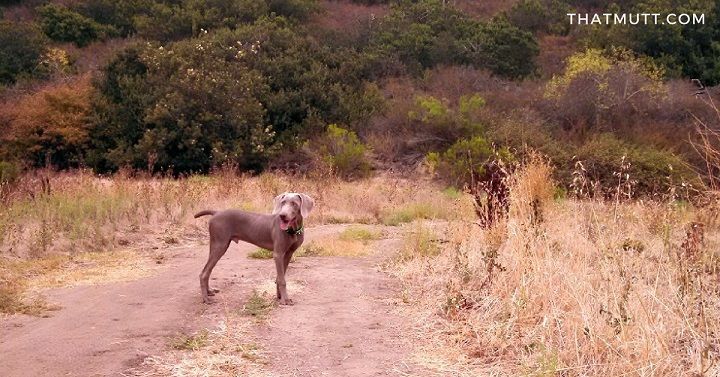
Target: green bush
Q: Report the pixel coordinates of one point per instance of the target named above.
(22, 46)
(341, 150)
(441, 124)
(423, 34)
(9, 173)
(609, 160)
(503, 49)
(180, 108)
(226, 96)
(540, 16)
(62, 24)
(468, 157)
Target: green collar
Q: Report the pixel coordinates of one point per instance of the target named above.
(295, 232)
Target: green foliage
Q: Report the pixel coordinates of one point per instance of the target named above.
(22, 46)
(609, 160)
(174, 20)
(342, 151)
(503, 49)
(467, 157)
(427, 33)
(443, 124)
(62, 24)
(226, 96)
(606, 88)
(685, 50)
(184, 108)
(540, 16)
(412, 212)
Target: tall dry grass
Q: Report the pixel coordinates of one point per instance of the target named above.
(572, 288)
(78, 212)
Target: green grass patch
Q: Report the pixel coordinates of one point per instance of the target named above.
(452, 192)
(419, 243)
(412, 212)
(190, 342)
(258, 306)
(360, 233)
(261, 254)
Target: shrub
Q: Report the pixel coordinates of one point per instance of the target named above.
(50, 127)
(605, 89)
(503, 49)
(342, 151)
(466, 160)
(21, 47)
(546, 16)
(427, 33)
(226, 96)
(64, 25)
(641, 169)
(439, 125)
(183, 108)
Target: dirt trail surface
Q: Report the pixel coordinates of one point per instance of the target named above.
(342, 324)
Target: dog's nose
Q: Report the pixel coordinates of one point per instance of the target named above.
(283, 217)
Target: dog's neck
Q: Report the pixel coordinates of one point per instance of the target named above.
(297, 231)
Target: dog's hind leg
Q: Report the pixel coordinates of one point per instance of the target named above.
(217, 250)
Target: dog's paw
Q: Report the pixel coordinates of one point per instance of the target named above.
(287, 302)
(212, 291)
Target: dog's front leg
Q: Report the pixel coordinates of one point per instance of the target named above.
(280, 279)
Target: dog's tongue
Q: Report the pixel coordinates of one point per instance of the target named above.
(285, 225)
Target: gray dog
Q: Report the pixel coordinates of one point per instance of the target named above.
(281, 232)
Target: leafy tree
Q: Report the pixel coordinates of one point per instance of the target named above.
(64, 25)
(22, 45)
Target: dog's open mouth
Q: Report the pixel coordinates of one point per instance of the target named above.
(285, 224)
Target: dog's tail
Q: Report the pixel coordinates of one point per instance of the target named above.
(205, 213)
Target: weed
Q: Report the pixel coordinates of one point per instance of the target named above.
(258, 306)
(190, 342)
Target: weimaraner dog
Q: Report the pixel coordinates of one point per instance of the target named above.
(281, 232)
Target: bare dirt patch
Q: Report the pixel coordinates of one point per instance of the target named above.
(344, 321)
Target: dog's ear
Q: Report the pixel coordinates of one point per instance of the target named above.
(276, 203)
(306, 205)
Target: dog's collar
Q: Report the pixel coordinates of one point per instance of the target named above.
(295, 232)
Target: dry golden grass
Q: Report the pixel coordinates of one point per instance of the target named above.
(77, 212)
(570, 288)
(61, 217)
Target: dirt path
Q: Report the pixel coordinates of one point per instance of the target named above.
(343, 322)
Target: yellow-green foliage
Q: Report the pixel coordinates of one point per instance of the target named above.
(597, 64)
(436, 116)
(341, 150)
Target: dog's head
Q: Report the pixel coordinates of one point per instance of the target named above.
(292, 208)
